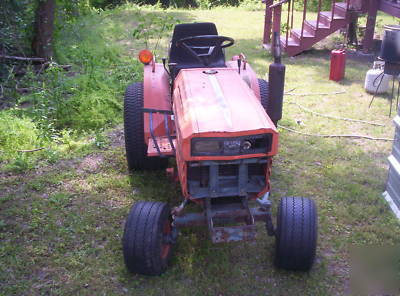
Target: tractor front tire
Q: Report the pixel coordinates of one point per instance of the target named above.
(135, 145)
(296, 234)
(145, 243)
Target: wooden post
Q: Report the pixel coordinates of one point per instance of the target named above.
(277, 19)
(368, 40)
(267, 22)
(276, 23)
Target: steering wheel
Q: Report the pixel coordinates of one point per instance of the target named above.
(195, 46)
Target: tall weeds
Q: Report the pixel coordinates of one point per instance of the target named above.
(79, 102)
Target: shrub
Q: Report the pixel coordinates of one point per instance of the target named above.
(16, 134)
(81, 102)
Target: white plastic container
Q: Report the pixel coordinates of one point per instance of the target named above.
(374, 77)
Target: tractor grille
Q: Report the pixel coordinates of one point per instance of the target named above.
(226, 178)
(228, 170)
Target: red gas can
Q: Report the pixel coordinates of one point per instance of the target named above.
(338, 64)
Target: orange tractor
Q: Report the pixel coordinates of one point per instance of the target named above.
(219, 121)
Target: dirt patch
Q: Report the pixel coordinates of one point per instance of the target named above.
(338, 269)
(91, 163)
(117, 137)
(77, 185)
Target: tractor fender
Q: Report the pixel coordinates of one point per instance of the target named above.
(156, 93)
(248, 75)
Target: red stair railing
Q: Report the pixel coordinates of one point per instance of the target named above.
(333, 9)
(292, 12)
(304, 18)
(318, 14)
(268, 21)
(276, 16)
(287, 21)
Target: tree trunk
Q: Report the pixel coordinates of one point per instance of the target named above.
(43, 29)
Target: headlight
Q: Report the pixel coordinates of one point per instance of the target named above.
(231, 146)
(246, 145)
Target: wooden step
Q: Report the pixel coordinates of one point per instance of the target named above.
(341, 9)
(291, 42)
(292, 47)
(342, 5)
(296, 34)
(328, 15)
(311, 25)
(325, 17)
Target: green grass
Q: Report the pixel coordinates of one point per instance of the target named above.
(64, 107)
(61, 224)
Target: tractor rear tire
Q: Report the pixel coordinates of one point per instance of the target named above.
(135, 145)
(145, 242)
(296, 235)
(264, 93)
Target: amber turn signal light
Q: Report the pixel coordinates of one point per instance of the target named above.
(145, 56)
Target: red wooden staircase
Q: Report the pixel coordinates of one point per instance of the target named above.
(312, 31)
(296, 40)
(342, 12)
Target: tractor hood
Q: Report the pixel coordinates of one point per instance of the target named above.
(218, 103)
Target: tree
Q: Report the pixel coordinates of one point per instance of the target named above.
(42, 43)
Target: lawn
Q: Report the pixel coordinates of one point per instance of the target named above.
(61, 225)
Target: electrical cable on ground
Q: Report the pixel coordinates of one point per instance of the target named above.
(314, 94)
(334, 117)
(334, 136)
(330, 116)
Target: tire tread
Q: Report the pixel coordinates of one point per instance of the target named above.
(136, 148)
(264, 93)
(296, 233)
(142, 238)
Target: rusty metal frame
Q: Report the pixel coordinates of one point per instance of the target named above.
(165, 113)
(231, 213)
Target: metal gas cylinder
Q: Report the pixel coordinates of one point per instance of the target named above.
(338, 64)
(375, 77)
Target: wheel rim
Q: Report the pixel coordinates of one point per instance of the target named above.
(165, 247)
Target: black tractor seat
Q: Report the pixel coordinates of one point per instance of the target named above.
(179, 58)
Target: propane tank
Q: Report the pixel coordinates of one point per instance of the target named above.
(374, 76)
(276, 79)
